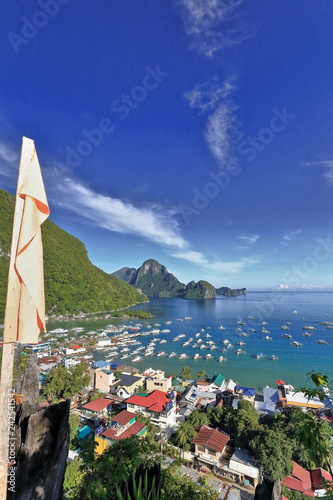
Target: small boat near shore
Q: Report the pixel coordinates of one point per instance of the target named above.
(273, 357)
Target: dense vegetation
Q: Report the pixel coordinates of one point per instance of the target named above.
(155, 281)
(273, 440)
(152, 278)
(62, 383)
(124, 468)
(72, 282)
(200, 290)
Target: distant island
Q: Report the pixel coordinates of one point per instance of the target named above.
(154, 280)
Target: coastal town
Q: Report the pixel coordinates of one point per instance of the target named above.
(120, 401)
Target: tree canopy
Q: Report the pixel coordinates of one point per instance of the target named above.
(63, 383)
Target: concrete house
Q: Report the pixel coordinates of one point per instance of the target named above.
(159, 408)
(123, 425)
(100, 407)
(246, 393)
(126, 385)
(101, 377)
(243, 465)
(210, 445)
(161, 384)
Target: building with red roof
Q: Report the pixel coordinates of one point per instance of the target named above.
(123, 426)
(74, 349)
(98, 407)
(318, 478)
(158, 407)
(210, 445)
(299, 480)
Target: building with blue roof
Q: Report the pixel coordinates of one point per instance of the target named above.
(246, 393)
(100, 364)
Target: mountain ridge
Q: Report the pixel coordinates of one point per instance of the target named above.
(153, 279)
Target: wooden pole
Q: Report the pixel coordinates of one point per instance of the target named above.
(10, 329)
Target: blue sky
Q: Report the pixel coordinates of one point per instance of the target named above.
(195, 132)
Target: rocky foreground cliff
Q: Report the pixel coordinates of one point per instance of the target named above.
(154, 280)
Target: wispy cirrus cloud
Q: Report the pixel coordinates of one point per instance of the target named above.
(214, 266)
(208, 24)
(206, 96)
(289, 236)
(326, 165)
(219, 134)
(248, 241)
(8, 161)
(152, 222)
(221, 127)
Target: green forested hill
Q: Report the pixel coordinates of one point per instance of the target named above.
(72, 282)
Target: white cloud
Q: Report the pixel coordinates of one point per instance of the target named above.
(290, 236)
(9, 162)
(205, 96)
(282, 287)
(220, 129)
(205, 21)
(249, 240)
(154, 222)
(214, 266)
(326, 164)
(221, 126)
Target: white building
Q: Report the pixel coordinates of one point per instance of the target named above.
(158, 408)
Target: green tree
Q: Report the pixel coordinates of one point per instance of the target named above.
(312, 432)
(273, 452)
(184, 435)
(73, 478)
(63, 383)
(152, 429)
(177, 487)
(186, 373)
(214, 414)
(201, 374)
(198, 418)
(293, 495)
(95, 395)
(74, 424)
(115, 466)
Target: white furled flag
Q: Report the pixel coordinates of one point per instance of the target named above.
(25, 306)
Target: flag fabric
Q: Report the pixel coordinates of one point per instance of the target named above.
(25, 306)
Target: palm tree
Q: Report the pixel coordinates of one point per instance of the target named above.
(201, 374)
(182, 436)
(186, 373)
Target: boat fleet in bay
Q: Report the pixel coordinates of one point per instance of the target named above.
(125, 343)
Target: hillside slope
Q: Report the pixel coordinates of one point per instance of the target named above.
(72, 282)
(152, 278)
(155, 281)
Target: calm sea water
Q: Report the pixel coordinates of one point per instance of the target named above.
(276, 309)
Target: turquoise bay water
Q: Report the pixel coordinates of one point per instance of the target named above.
(274, 308)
